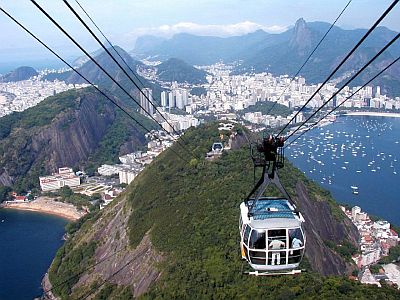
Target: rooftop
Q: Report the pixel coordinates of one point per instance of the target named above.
(271, 213)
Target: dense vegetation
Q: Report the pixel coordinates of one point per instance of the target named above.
(65, 194)
(177, 70)
(265, 107)
(40, 115)
(120, 132)
(192, 211)
(5, 193)
(198, 91)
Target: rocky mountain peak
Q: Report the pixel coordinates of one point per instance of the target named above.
(301, 39)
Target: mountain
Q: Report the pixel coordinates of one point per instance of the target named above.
(288, 56)
(98, 77)
(284, 53)
(76, 128)
(21, 73)
(198, 50)
(179, 238)
(175, 69)
(147, 43)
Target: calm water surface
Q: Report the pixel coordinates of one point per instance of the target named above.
(28, 243)
(358, 151)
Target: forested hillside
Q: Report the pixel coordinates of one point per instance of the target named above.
(174, 234)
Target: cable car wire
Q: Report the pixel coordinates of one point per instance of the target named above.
(386, 12)
(347, 82)
(347, 98)
(113, 58)
(309, 56)
(98, 65)
(81, 75)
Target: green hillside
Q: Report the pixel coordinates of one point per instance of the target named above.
(177, 70)
(268, 107)
(191, 212)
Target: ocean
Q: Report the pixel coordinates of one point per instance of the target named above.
(28, 243)
(355, 153)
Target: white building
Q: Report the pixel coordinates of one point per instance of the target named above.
(145, 98)
(65, 177)
(108, 170)
(126, 175)
(171, 100)
(164, 102)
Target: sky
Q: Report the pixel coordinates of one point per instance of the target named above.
(124, 20)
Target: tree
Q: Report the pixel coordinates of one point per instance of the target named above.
(66, 192)
(5, 193)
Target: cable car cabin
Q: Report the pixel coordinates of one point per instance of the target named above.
(217, 147)
(216, 151)
(272, 238)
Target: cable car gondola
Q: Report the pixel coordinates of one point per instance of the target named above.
(272, 236)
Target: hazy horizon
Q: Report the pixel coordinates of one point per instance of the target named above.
(166, 18)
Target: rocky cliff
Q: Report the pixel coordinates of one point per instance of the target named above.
(64, 130)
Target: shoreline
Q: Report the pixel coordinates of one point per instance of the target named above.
(48, 206)
(374, 114)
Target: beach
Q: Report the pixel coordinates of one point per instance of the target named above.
(48, 206)
(374, 114)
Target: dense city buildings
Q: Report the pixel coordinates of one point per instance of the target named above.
(20, 95)
(225, 93)
(376, 239)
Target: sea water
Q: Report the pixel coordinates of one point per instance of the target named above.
(28, 243)
(355, 152)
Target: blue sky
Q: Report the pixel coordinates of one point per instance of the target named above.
(124, 20)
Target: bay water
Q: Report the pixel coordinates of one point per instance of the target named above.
(28, 243)
(355, 153)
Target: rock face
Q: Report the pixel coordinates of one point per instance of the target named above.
(73, 136)
(68, 139)
(321, 226)
(138, 265)
(21, 73)
(114, 260)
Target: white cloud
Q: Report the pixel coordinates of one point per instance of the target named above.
(201, 29)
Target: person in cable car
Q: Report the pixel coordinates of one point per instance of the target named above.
(272, 237)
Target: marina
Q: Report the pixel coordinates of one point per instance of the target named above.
(354, 154)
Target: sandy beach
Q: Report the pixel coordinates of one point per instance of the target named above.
(376, 114)
(48, 206)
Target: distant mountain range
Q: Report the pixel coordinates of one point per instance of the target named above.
(21, 73)
(282, 53)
